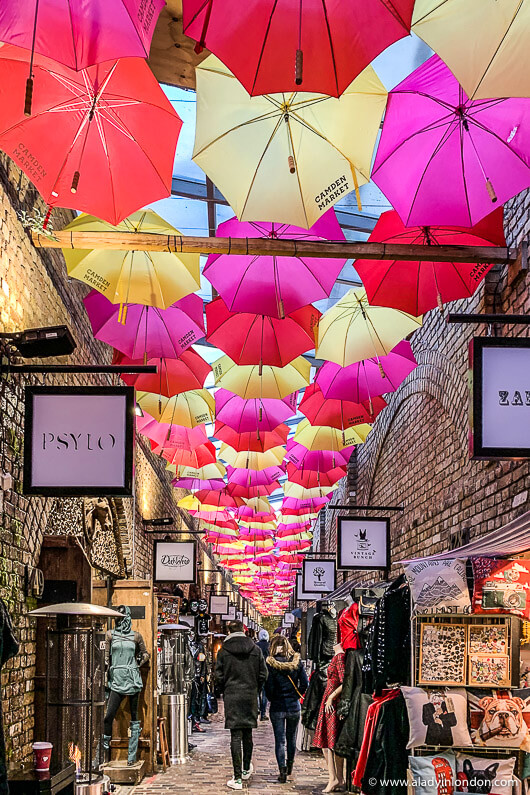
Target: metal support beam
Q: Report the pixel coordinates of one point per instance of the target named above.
(365, 507)
(489, 317)
(77, 368)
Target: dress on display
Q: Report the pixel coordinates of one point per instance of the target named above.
(328, 724)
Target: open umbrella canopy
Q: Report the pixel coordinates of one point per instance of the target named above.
(220, 499)
(249, 460)
(340, 414)
(189, 371)
(209, 471)
(255, 381)
(81, 34)
(285, 157)
(156, 278)
(499, 32)
(329, 42)
(146, 332)
(197, 457)
(312, 504)
(311, 478)
(274, 286)
(323, 437)
(249, 477)
(365, 380)
(85, 131)
(188, 408)
(258, 339)
(257, 505)
(254, 414)
(248, 492)
(353, 329)
(322, 460)
(257, 442)
(171, 436)
(302, 493)
(444, 159)
(194, 484)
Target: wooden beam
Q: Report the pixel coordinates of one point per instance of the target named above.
(339, 249)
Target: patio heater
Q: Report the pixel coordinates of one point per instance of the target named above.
(175, 677)
(75, 689)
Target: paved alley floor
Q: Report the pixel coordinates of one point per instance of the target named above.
(210, 768)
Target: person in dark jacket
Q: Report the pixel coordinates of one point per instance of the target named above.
(240, 673)
(263, 644)
(286, 684)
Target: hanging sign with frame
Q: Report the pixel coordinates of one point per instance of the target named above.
(363, 542)
(301, 595)
(218, 605)
(288, 619)
(174, 561)
(319, 575)
(230, 614)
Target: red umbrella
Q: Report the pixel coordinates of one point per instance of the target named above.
(310, 45)
(259, 339)
(174, 437)
(198, 457)
(100, 140)
(174, 376)
(249, 492)
(221, 499)
(418, 286)
(341, 414)
(310, 479)
(256, 442)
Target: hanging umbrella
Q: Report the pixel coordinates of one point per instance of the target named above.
(418, 286)
(189, 371)
(322, 460)
(274, 286)
(195, 484)
(294, 490)
(257, 529)
(146, 332)
(255, 442)
(258, 505)
(353, 329)
(314, 45)
(310, 478)
(314, 503)
(340, 414)
(322, 437)
(219, 499)
(172, 436)
(156, 278)
(285, 158)
(198, 457)
(248, 460)
(248, 492)
(292, 531)
(259, 339)
(189, 408)
(368, 378)
(253, 381)
(254, 414)
(209, 471)
(87, 130)
(444, 159)
(248, 477)
(499, 33)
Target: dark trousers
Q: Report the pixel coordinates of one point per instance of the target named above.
(262, 702)
(241, 738)
(113, 704)
(284, 725)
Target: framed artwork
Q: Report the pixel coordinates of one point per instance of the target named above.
(319, 575)
(301, 595)
(489, 670)
(218, 605)
(443, 654)
(489, 639)
(363, 543)
(174, 561)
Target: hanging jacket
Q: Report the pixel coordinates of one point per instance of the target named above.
(286, 677)
(240, 673)
(125, 652)
(322, 639)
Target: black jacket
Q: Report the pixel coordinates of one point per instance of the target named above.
(349, 740)
(280, 691)
(387, 762)
(240, 673)
(263, 645)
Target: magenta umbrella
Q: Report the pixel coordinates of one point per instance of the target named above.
(148, 332)
(369, 378)
(251, 477)
(174, 436)
(246, 416)
(274, 286)
(445, 159)
(313, 504)
(195, 484)
(317, 460)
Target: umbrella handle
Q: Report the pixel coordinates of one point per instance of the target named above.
(29, 97)
(299, 67)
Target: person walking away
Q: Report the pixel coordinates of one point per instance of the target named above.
(286, 684)
(263, 644)
(240, 673)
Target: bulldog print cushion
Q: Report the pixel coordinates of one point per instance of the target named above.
(500, 718)
(433, 775)
(501, 586)
(438, 586)
(437, 716)
(477, 775)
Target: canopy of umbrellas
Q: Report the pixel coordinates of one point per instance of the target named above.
(289, 111)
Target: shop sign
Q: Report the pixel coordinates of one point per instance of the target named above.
(239, 615)
(79, 441)
(363, 543)
(500, 401)
(319, 575)
(230, 614)
(174, 561)
(301, 595)
(218, 605)
(288, 619)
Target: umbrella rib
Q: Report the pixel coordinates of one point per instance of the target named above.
(310, 127)
(264, 117)
(489, 131)
(448, 131)
(442, 122)
(74, 48)
(428, 14)
(277, 127)
(507, 31)
(461, 132)
(263, 45)
(324, 8)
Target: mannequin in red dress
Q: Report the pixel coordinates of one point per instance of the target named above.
(328, 723)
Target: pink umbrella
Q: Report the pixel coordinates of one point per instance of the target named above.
(195, 484)
(248, 492)
(250, 415)
(318, 460)
(251, 477)
(369, 378)
(313, 504)
(171, 436)
(148, 332)
(445, 159)
(274, 286)
(246, 510)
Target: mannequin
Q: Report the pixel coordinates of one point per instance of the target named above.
(329, 724)
(125, 653)
(199, 682)
(202, 618)
(321, 641)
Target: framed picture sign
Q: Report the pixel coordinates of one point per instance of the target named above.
(174, 561)
(230, 614)
(301, 595)
(319, 575)
(218, 605)
(363, 543)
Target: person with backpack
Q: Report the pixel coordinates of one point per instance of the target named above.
(285, 686)
(263, 644)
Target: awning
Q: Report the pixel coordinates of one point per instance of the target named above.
(511, 539)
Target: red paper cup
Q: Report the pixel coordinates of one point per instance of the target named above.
(42, 754)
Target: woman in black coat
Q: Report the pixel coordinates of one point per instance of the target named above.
(285, 685)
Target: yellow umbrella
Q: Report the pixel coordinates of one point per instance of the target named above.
(257, 525)
(255, 381)
(208, 472)
(258, 504)
(300, 493)
(353, 330)
(323, 437)
(288, 519)
(188, 409)
(155, 278)
(483, 42)
(251, 460)
(285, 157)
